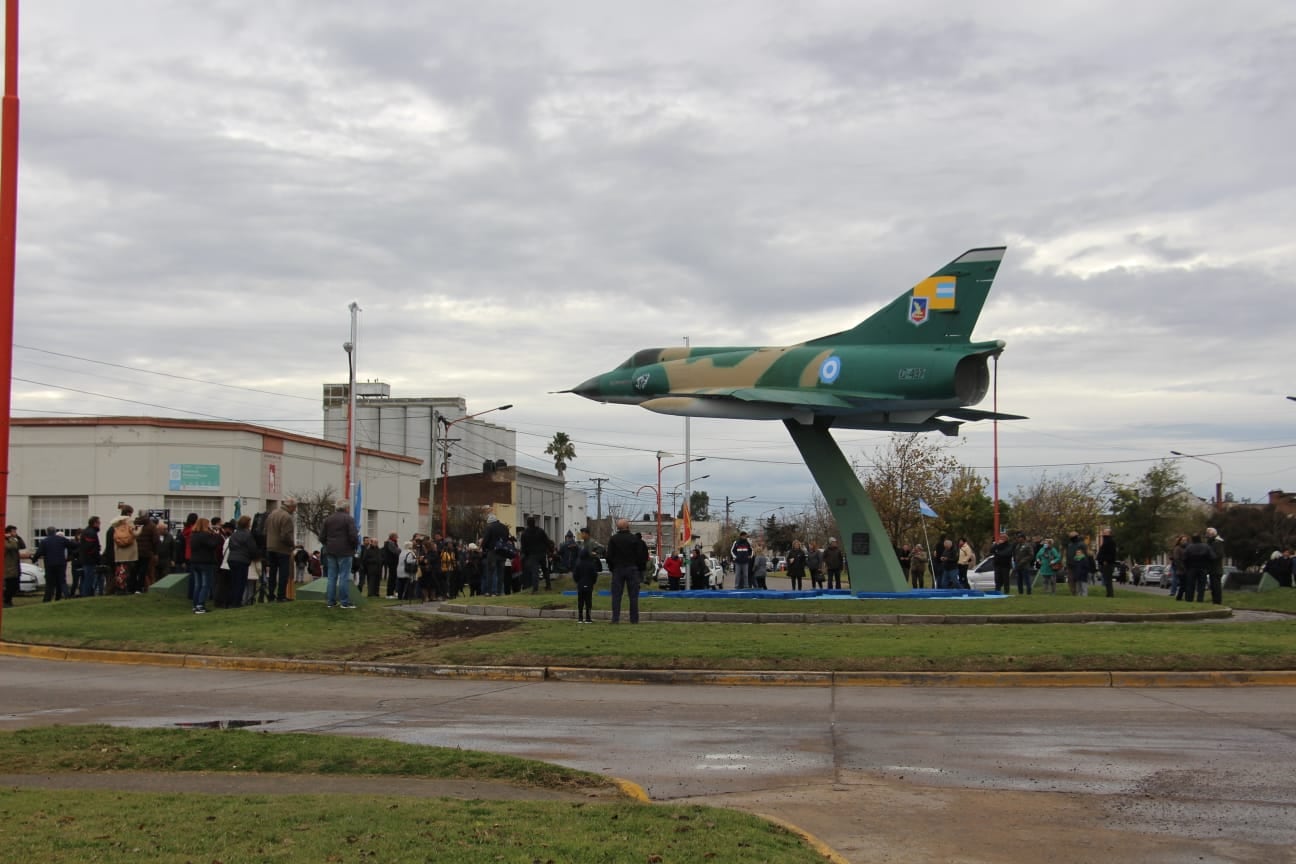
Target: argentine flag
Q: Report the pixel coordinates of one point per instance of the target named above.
(925, 509)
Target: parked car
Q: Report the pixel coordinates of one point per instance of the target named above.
(715, 575)
(31, 578)
(1154, 574)
(981, 577)
(1235, 576)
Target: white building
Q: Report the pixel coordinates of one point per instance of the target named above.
(474, 447)
(411, 427)
(65, 470)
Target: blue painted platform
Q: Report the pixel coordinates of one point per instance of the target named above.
(820, 594)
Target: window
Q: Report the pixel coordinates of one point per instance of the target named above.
(371, 523)
(206, 507)
(67, 514)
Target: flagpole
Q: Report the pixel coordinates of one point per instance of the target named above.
(927, 543)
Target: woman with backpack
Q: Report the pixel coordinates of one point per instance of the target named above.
(121, 533)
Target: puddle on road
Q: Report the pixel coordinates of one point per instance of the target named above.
(224, 724)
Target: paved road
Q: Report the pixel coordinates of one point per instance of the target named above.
(881, 774)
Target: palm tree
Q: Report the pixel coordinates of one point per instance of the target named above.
(561, 449)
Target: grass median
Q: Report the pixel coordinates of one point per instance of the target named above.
(123, 827)
(381, 632)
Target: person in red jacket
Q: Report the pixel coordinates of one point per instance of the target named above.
(674, 572)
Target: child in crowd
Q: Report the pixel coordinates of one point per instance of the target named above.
(585, 575)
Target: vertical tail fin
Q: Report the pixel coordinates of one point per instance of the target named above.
(941, 309)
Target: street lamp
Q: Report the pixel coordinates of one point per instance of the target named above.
(674, 492)
(445, 463)
(350, 349)
(761, 521)
(729, 502)
(662, 454)
(1219, 485)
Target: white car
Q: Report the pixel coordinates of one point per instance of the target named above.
(31, 578)
(981, 577)
(715, 575)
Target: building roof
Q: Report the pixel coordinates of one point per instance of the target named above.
(215, 425)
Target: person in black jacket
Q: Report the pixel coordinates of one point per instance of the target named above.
(90, 582)
(534, 545)
(585, 575)
(371, 564)
(391, 553)
(627, 557)
(204, 555)
(796, 565)
(1002, 553)
(494, 541)
(243, 550)
(1197, 563)
(1107, 560)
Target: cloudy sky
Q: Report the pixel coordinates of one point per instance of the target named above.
(519, 194)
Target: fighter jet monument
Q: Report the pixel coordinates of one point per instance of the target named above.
(910, 367)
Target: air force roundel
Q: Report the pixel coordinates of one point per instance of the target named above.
(829, 369)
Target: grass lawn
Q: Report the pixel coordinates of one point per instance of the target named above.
(381, 632)
(69, 827)
(60, 749)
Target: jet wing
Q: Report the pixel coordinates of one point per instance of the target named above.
(784, 396)
(977, 414)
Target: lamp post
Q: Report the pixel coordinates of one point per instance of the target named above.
(761, 520)
(445, 463)
(662, 454)
(350, 349)
(1219, 484)
(729, 502)
(674, 492)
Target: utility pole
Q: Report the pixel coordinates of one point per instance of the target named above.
(598, 493)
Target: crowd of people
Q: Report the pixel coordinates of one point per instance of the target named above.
(234, 563)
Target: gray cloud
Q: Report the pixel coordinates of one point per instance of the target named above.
(519, 196)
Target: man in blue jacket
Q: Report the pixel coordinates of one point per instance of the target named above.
(53, 547)
(741, 553)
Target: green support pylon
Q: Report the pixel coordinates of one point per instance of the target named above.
(872, 561)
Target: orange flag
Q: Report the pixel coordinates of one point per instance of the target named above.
(686, 534)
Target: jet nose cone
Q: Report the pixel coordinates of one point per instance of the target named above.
(590, 389)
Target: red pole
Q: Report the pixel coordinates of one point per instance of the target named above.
(658, 553)
(445, 483)
(8, 242)
(996, 448)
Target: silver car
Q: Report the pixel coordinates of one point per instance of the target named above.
(1154, 574)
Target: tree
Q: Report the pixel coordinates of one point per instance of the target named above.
(562, 450)
(312, 509)
(778, 536)
(815, 523)
(468, 523)
(1251, 534)
(1056, 507)
(1147, 514)
(968, 512)
(908, 468)
(700, 506)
